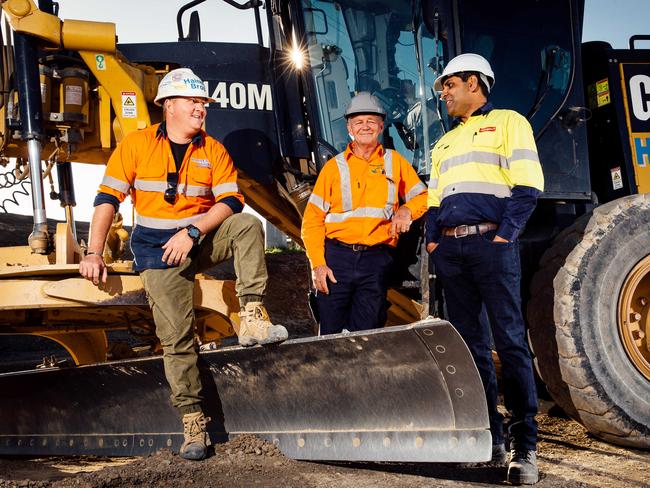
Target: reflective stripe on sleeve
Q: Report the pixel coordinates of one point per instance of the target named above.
(346, 187)
(519, 154)
(415, 191)
(154, 223)
(115, 184)
(319, 202)
(225, 188)
(498, 190)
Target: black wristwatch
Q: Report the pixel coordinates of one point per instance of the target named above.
(194, 233)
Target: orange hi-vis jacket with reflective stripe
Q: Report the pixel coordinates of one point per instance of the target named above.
(139, 167)
(354, 200)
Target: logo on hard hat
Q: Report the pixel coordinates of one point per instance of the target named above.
(177, 76)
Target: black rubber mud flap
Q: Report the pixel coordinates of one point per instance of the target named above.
(407, 393)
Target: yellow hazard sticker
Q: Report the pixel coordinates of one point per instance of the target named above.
(129, 105)
(602, 93)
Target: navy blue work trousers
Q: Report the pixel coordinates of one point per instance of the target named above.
(357, 301)
(474, 271)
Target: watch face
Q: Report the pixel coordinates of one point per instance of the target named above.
(193, 232)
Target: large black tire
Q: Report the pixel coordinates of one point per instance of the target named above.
(573, 319)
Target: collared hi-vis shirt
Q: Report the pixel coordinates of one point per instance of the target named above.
(484, 170)
(139, 166)
(354, 200)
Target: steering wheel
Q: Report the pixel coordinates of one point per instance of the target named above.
(394, 103)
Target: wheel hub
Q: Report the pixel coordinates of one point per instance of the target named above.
(634, 316)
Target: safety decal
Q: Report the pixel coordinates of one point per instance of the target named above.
(598, 94)
(129, 107)
(617, 178)
(100, 62)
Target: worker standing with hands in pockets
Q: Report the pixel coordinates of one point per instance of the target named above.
(485, 181)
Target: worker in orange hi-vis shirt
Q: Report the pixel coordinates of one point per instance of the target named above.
(353, 220)
(188, 218)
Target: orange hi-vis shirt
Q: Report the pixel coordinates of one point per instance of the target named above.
(139, 166)
(354, 200)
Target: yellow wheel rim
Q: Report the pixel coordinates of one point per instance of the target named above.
(634, 316)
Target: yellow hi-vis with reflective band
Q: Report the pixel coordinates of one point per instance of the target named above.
(354, 201)
(487, 154)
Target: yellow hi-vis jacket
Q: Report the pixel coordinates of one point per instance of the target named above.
(487, 154)
(475, 167)
(139, 166)
(354, 200)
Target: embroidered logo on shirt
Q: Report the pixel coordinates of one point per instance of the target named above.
(487, 129)
(377, 168)
(202, 163)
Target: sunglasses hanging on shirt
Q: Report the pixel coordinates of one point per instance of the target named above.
(171, 193)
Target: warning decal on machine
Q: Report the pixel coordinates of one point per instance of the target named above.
(617, 178)
(129, 107)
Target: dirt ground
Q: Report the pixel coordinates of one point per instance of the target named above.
(568, 456)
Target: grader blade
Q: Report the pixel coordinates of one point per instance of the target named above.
(409, 393)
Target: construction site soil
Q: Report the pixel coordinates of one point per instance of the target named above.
(568, 456)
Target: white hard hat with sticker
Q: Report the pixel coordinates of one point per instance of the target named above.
(181, 82)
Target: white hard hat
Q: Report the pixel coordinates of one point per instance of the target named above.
(467, 62)
(181, 82)
(365, 103)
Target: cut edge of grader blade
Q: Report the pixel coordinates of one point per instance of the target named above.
(407, 394)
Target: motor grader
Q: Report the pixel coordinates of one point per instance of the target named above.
(70, 94)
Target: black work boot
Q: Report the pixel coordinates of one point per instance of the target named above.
(522, 469)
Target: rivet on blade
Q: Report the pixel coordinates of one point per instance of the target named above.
(459, 392)
(428, 332)
(169, 442)
(450, 369)
(471, 441)
(453, 442)
(301, 442)
(441, 349)
(386, 441)
(327, 441)
(356, 442)
(419, 441)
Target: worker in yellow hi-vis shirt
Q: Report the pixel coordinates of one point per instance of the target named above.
(485, 181)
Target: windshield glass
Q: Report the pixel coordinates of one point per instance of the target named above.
(530, 54)
(354, 46)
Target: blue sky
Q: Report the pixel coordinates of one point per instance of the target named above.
(615, 21)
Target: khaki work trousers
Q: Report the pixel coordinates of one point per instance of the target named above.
(170, 294)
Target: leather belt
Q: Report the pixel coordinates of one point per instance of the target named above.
(469, 230)
(357, 247)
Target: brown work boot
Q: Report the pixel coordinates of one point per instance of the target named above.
(196, 436)
(256, 328)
